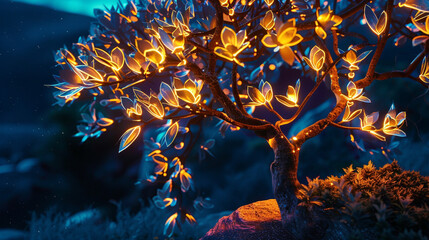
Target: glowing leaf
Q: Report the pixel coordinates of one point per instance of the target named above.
(190, 219)
(129, 137)
(255, 95)
(169, 225)
(103, 55)
(268, 21)
(287, 55)
(185, 180)
(90, 73)
(154, 56)
(118, 58)
(171, 134)
(424, 72)
(228, 37)
(317, 58)
(104, 122)
(168, 95)
(377, 25)
(380, 137)
(133, 65)
(349, 117)
(268, 41)
(285, 101)
(420, 5)
(266, 90)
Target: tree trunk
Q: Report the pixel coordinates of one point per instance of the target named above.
(284, 170)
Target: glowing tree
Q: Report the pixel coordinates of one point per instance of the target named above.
(172, 64)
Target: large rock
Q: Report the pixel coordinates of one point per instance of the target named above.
(258, 220)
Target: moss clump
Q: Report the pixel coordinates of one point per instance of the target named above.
(384, 203)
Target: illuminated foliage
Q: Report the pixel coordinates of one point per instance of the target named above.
(172, 65)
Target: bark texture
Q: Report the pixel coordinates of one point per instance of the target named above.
(284, 170)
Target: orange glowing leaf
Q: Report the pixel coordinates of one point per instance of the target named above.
(89, 73)
(228, 37)
(266, 90)
(377, 25)
(424, 72)
(268, 41)
(133, 65)
(171, 134)
(118, 58)
(104, 122)
(154, 56)
(382, 22)
(268, 21)
(321, 32)
(380, 137)
(190, 219)
(186, 95)
(185, 180)
(420, 5)
(129, 137)
(285, 101)
(255, 95)
(395, 132)
(287, 54)
(349, 117)
(103, 55)
(169, 225)
(155, 107)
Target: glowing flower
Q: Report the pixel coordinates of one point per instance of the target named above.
(152, 103)
(132, 108)
(355, 94)
(175, 45)
(233, 44)
(317, 58)
(188, 92)
(352, 59)
(156, 55)
(424, 73)
(285, 38)
(348, 115)
(327, 20)
(377, 25)
(291, 98)
(268, 21)
(367, 122)
(261, 96)
(393, 122)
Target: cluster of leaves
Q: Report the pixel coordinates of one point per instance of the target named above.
(384, 203)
